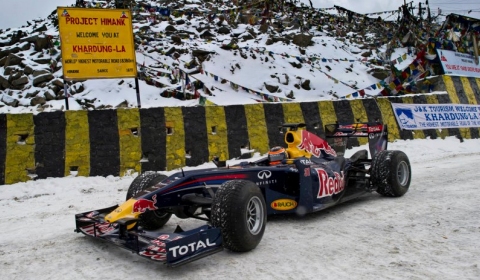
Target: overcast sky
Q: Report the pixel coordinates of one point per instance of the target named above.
(16, 13)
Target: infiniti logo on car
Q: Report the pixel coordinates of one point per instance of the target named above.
(264, 174)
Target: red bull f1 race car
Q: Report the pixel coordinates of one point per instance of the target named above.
(309, 174)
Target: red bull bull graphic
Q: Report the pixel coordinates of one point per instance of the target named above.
(315, 145)
(142, 204)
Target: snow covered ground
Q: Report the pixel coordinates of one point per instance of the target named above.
(430, 233)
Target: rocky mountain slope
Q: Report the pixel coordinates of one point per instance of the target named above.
(206, 52)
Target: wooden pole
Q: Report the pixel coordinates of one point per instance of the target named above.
(475, 47)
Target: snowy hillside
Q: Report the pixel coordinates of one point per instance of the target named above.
(298, 54)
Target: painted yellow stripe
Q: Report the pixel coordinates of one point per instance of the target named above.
(467, 88)
(217, 132)
(359, 115)
(292, 113)
(327, 112)
(464, 132)
(432, 99)
(389, 118)
(452, 93)
(417, 134)
(175, 146)
(257, 128)
(129, 140)
(77, 142)
(20, 147)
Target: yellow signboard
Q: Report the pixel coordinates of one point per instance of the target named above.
(96, 43)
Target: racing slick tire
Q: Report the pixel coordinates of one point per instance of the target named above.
(149, 220)
(239, 210)
(391, 173)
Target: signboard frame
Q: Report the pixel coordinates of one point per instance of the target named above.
(458, 64)
(436, 116)
(96, 43)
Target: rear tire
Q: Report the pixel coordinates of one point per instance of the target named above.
(391, 173)
(239, 210)
(150, 220)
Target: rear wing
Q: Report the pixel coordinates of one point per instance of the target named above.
(337, 136)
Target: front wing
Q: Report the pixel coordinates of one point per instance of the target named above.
(173, 249)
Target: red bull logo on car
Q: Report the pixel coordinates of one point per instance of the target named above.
(142, 204)
(315, 145)
(329, 186)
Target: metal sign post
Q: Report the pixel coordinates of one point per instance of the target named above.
(65, 92)
(137, 89)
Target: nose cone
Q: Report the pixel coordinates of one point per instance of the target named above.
(123, 211)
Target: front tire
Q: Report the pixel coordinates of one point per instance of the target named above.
(150, 220)
(391, 173)
(239, 210)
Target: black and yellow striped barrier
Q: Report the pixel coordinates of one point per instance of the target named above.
(115, 142)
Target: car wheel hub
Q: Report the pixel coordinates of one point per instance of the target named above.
(403, 173)
(255, 215)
